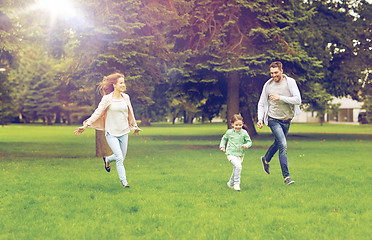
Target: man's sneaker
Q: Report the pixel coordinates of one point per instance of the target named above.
(265, 165)
(288, 180)
(237, 187)
(228, 184)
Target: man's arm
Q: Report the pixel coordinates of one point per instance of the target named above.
(296, 95)
(261, 104)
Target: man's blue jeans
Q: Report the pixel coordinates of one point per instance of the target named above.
(118, 146)
(280, 131)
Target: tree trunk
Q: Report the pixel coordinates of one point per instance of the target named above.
(145, 120)
(68, 117)
(102, 148)
(49, 120)
(58, 117)
(185, 117)
(190, 119)
(232, 95)
(248, 121)
(173, 120)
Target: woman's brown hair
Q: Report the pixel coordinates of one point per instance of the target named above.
(106, 86)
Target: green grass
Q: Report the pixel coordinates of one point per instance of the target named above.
(53, 187)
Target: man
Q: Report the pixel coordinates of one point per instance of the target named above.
(279, 102)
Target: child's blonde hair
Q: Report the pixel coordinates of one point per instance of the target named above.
(236, 117)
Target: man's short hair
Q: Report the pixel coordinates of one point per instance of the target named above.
(276, 64)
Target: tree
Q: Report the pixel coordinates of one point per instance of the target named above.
(118, 43)
(339, 36)
(38, 47)
(366, 96)
(6, 110)
(363, 48)
(321, 102)
(235, 41)
(41, 100)
(199, 54)
(7, 51)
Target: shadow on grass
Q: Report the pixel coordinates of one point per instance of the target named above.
(41, 150)
(329, 136)
(73, 150)
(269, 136)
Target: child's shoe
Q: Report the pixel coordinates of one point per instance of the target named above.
(237, 187)
(228, 184)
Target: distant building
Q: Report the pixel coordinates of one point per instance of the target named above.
(348, 113)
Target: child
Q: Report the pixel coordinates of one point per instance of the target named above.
(237, 141)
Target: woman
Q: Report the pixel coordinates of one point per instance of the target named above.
(115, 116)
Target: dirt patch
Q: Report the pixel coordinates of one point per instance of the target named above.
(217, 147)
(200, 147)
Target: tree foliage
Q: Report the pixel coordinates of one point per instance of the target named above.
(181, 58)
(321, 102)
(340, 36)
(7, 49)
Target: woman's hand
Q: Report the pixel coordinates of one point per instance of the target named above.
(223, 149)
(137, 130)
(80, 130)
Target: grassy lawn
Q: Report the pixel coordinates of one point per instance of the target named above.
(53, 187)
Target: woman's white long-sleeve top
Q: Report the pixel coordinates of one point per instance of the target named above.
(98, 118)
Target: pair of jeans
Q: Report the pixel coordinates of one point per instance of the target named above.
(280, 130)
(237, 162)
(119, 147)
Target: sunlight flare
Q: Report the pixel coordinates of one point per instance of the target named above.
(58, 8)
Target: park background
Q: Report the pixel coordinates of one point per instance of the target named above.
(186, 63)
(182, 60)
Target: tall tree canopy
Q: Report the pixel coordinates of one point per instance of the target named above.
(183, 57)
(233, 42)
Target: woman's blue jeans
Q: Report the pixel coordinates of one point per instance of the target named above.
(280, 131)
(118, 146)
